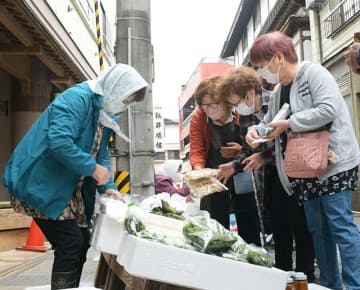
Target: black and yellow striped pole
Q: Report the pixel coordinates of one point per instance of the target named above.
(122, 179)
(98, 35)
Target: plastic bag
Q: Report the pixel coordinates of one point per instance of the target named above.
(208, 236)
(203, 182)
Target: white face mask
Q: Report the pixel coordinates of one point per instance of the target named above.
(244, 110)
(271, 78)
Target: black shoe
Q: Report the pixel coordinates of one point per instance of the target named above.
(64, 280)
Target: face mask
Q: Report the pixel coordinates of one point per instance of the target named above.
(271, 78)
(215, 114)
(245, 110)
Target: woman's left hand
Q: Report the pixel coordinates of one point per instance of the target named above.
(225, 172)
(230, 150)
(253, 162)
(277, 128)
(114, 194)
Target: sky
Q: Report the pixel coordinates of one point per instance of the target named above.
(183, 32)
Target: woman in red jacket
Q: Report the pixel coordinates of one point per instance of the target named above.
(217, 137)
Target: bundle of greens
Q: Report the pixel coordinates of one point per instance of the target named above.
(208, 236)
(167, 210)
(252, 254)
(199, 233)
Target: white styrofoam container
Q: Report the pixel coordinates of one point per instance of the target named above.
(317, 287)
(108, 234)
(48, 287)
(159, 262)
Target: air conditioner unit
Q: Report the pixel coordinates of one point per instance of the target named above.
(315, 4)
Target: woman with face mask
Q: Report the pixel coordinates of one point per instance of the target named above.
(315, 101)
(55, 170)
(287, 218)
(215, 138)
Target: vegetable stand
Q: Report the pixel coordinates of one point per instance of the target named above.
(136, 260)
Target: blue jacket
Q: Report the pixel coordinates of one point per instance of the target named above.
(46, 165)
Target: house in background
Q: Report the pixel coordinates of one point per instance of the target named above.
(166, 137)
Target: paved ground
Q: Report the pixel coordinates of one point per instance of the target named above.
(22, 269)
(34, 269)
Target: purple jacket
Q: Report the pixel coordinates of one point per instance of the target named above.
(164, 183)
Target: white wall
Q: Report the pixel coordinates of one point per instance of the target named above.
(171, 140)
(71, 13)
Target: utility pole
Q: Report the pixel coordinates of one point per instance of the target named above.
(133, 47)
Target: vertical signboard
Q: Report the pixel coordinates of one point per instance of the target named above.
(158, 129)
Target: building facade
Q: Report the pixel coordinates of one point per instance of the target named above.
(45, 47)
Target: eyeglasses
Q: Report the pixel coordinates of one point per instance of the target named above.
(209, 106)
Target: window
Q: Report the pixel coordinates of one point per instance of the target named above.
(173, 154)
(159, 156)
(106, 30)
(244, 40)
(257, 15)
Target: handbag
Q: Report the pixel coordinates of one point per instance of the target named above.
(243, 182)
(306, 154)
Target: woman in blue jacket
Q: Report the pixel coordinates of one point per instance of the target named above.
(55, 170)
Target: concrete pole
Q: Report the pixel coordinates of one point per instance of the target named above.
(133, 46)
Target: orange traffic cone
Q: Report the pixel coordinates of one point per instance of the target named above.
(35, 240)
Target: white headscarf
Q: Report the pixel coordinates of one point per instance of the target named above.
(169, 168)
(115, 84)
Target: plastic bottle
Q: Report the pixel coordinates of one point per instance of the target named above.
(290, 284)
(282, 114)
(301, 282)
(233, 224)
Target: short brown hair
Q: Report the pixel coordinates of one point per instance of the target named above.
(207, 87)
(238, 82)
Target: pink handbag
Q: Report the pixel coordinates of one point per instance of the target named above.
(306, 154)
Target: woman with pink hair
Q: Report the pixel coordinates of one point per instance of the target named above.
(315, 102)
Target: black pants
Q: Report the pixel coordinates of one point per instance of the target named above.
(219, 205)
(69, 241)
(288, 224)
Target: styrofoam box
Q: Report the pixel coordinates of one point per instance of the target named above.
(48, 287)
(317, 287)
(159, 262)
(108, 234)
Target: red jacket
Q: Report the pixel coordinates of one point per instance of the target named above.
(200, 138)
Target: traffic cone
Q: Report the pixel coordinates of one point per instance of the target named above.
(35, 240)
